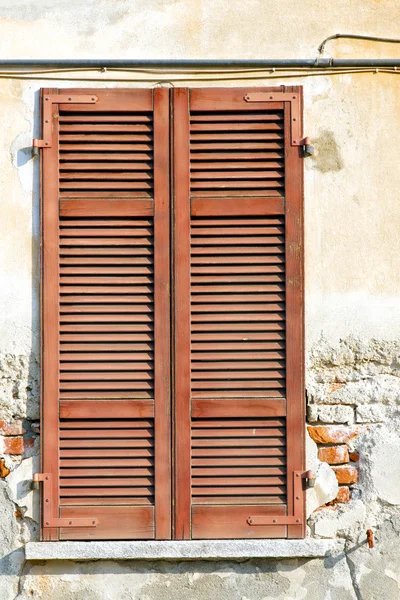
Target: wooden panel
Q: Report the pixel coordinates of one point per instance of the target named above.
(93, 232)
(87, 437)
(239, 174)
(241, 234)
(202, 207)
(244, 407)
(115, 523)
(223, 522)
(220, 439)
(223, 124)
(91, 139)
(121, 101)
(109, 361)
(105, 208)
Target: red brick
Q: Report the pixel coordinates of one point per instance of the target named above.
(332, 434)
(354, 456)
(13, 445)
(334, 455)
(346, 474)
(4, 471)
(14, 428)
(343, 495)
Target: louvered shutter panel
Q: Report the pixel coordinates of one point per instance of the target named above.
(238, 315)
(105, 314)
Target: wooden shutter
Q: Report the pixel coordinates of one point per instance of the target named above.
(238, 313)
(105, 314)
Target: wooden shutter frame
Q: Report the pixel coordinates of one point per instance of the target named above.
(294, 298)
(52, 209)
(292, 207)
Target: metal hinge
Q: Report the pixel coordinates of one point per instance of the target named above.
(296, 137)
(49, 520)
(298, 515)
(48, 102)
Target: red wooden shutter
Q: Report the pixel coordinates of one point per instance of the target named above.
(238, 313)
(105, 314)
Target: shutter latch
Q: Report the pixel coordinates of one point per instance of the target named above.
(49, 520)
(48, 101)
(298, 514)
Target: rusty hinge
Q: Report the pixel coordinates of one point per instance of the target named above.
(298, 516)
(48, 102)
(296, 137)
(49, 520)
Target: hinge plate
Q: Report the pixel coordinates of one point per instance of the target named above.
(296, 137)
(49, 520)
(48, 101)
(298, 517)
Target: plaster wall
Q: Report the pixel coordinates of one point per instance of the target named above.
(352, 240)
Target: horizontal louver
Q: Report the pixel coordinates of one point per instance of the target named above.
(106, 154)
(237, 307)
(236, 153)
(238, 461)
(106, 461)
(106, 308)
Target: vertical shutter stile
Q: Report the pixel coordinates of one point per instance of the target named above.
(106, 365)
(238, 314)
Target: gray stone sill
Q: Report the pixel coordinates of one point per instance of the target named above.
(182, 550)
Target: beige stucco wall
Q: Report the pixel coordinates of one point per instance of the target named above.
(352, 240)
(351, 186)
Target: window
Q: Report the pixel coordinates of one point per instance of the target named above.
(172, 314)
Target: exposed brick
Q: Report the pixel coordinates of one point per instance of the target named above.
(354, 456)
(13, 445)
(4, 471)
(14, 428)
(332, 434)
(334, 455)
(342, 497)
(346, 474)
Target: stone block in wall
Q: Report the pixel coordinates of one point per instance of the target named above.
(19, 386)
(375, 413)
(379, 388)
(332, 414)
(334, 455)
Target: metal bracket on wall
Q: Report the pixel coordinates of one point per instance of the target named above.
(49, 520)
(298, 517)
(295, 116)
(48, 101)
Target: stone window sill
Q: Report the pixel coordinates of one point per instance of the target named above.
(182, 550)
